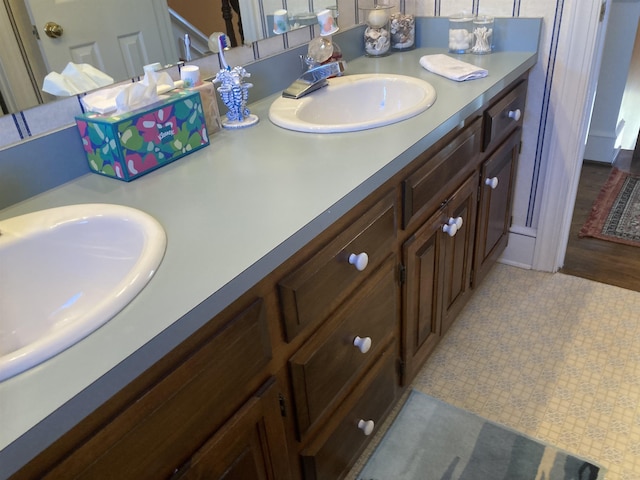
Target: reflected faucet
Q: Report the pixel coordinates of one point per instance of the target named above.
(314, 78)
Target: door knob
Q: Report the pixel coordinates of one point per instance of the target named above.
(362, 344)
(359, 261)
(456, 221)
(450, 230)
(53, 30)
(491, 182)
(366, 426)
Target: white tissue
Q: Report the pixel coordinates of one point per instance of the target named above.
(452, 68)
(129, 96)
(75, 78)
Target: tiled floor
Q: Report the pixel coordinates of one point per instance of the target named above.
(553, 356)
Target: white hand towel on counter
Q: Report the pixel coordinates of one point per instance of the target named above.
(452, 68)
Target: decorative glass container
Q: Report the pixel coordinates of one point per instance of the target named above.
(377, 35)
(234, 92)
(403, 31)
(460, 33)
(483, 35)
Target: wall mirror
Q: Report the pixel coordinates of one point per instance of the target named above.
(245, 21)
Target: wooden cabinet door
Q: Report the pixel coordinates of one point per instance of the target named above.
(250, 446)
(438, 276)
(494, 214)
(421, 294)
(458, 251)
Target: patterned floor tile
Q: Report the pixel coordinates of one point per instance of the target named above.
(553, 356)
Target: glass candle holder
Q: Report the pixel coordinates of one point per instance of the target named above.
(460, 33)
(403, 31)
(483, 35)
(377, 35)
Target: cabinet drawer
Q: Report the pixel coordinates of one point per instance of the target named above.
(314, 290)
(426, 188)
(334, 452)
(173, 418)
(325, 366)
(504, 116)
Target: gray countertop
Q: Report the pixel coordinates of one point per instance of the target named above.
(232, 213)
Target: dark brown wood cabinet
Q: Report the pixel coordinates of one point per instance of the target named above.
(495, 204)
(293, 378)
(438, 260)
(335, 448)
(325, 367)
(251, 445)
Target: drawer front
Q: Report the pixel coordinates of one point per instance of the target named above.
(176, 416)
(426, 188)
(335, 451)
(504, 116)
(323, 369)
(314, 290)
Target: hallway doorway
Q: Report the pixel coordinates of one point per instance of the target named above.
(600, 260)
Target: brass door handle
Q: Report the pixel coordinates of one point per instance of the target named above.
(53, 30)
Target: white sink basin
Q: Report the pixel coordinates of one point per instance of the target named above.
(354, 102)
(66, 271)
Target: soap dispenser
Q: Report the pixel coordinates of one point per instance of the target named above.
(324, 49)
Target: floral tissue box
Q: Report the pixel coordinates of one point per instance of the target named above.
(131, 144)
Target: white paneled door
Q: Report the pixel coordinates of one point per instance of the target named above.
(118, 37)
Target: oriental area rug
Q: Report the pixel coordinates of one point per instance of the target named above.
(432, 440)
(615, 215)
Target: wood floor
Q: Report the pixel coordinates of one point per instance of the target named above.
(599, 260)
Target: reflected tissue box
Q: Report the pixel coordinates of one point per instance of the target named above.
(131, 144)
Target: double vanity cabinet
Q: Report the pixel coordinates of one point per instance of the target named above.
(292, 379)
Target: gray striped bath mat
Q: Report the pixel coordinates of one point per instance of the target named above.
(431, 440)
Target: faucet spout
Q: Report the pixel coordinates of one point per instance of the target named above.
(313, 79)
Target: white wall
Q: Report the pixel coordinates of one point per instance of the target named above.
(606, 127)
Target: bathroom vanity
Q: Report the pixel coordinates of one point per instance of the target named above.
(267, 345)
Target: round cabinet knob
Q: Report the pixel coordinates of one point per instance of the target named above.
(491, 182)
(456, 221)
(515, 114)
(360, 261)
(362, 344)
(366, 426)
(450, 230)
(53, 30)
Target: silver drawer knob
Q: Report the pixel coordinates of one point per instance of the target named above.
(362, 344)
(515, 114)
(491, 182)
(366, 426)
(360, 261)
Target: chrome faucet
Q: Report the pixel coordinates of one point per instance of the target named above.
(314, 78)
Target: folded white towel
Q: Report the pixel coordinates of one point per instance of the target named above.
(452, 68)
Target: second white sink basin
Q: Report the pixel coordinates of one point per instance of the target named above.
(66, 271)
(354, 102)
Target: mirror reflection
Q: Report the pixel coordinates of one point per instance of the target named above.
(159, 37)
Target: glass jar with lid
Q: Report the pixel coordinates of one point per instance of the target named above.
(377, 35)
(460, 33)
(482, 35)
